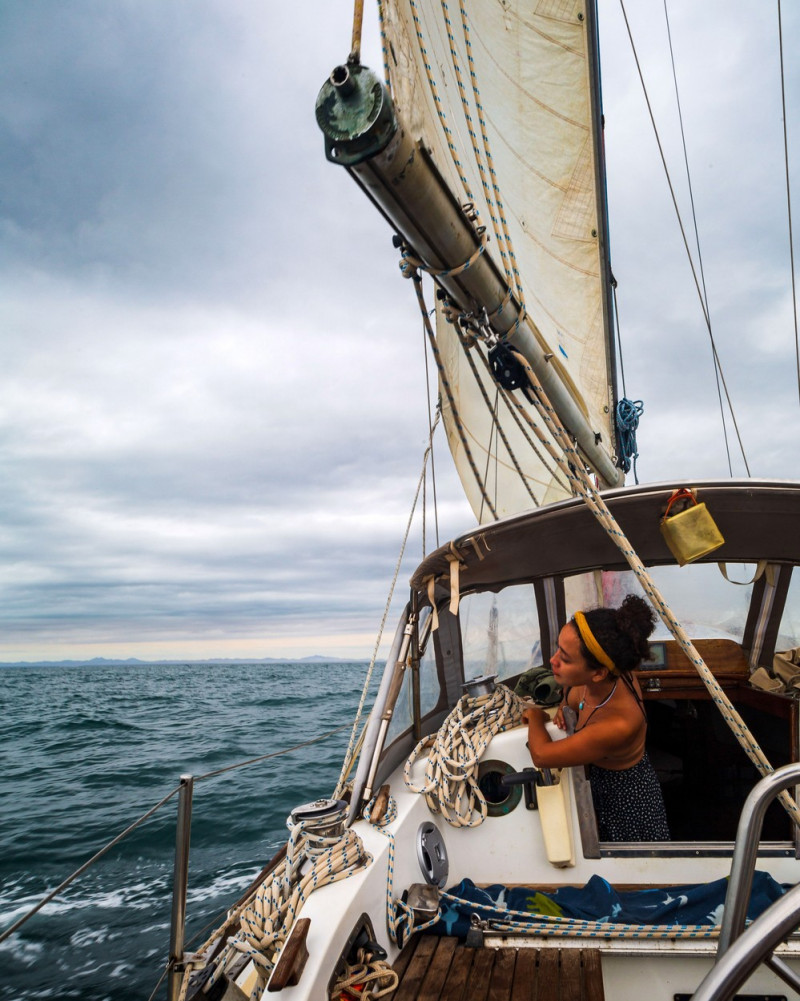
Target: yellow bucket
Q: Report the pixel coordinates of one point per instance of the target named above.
(691, 533)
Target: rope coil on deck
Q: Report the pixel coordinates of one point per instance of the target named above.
(367, 978)
(450, 784)
(265, 920)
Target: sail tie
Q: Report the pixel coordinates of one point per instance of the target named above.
(410, 264)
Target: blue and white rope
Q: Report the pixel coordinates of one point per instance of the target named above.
(267, 918)
(552, 925)
(450, 783)
(399, 916)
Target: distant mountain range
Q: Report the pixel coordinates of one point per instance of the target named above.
(112, 662)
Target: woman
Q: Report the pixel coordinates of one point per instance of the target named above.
(597, 653)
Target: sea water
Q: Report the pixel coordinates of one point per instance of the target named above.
(87, 750)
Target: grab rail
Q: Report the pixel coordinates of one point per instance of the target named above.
(740, 951)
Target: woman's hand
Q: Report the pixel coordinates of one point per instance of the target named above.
(558, 719)
(534, 713)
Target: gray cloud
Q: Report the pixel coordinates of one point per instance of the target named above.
(212, 396)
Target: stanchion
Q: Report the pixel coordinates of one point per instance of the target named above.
(183, 832)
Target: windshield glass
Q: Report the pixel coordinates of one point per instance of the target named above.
(428, 683)
(500, 632)
(789, 631)
(706, 604)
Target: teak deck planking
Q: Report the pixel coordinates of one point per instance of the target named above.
(433, 968)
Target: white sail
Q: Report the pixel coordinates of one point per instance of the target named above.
(507, 85)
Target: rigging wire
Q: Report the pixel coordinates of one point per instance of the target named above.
(445, 383)
(352, 749)
(683, 233)
(697, 236)
(511, 405)
(433, 462)
(788, 194)
(495, 426)
(494, 429)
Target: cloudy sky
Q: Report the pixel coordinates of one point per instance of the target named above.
(212, 377)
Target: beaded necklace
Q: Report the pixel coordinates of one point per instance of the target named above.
(595, 708)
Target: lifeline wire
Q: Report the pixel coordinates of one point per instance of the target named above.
(61, 886)
(128, 830)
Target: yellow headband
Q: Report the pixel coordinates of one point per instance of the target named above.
(591, 643)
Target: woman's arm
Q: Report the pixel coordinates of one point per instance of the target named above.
(593, 743)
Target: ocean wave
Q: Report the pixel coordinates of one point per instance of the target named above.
(101, 749)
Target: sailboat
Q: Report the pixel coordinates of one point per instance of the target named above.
(442, 864)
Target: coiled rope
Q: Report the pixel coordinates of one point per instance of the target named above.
(312, 859)
(450, 784)
(628, 414)
(367, 978)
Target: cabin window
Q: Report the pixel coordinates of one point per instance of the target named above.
(500, 632)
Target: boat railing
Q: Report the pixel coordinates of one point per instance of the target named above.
(174, 966)
(740, 951)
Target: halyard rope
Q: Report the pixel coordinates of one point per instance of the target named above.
(494, 209)
(351, 749)
(505, 236)
(437, 102)
(358, 22)
(450, 783)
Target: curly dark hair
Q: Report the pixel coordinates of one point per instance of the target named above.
(622, 632)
